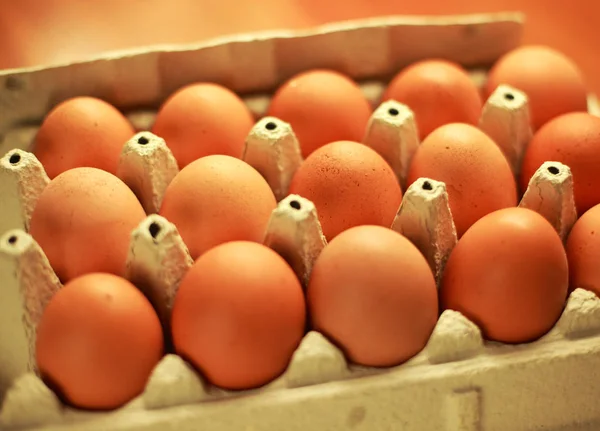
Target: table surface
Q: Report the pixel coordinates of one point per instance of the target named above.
(33, 32)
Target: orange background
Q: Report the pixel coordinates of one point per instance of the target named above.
(42, 31)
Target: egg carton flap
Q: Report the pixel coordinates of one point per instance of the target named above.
(258, 62)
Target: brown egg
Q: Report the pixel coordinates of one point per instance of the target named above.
(98, 341)
(373, 294)
(83, 220)
(509, 275)
(583, 251)
(439, 92)
(478, 177)
(203, 119)
(82, 132)
(552, 82)
(350, 185)
(239, 315)
(322, 106)
(572, 139)
(218, 199)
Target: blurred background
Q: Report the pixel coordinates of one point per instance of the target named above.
(34, 32)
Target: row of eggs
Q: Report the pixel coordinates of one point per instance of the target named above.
(322, 106)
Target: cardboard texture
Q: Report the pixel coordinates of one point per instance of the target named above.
(458, 382)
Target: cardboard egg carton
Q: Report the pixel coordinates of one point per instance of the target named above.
(459, 382)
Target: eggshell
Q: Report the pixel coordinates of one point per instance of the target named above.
(83, 220)
(350, 185)
(322, 106)
(509, 275)
(203, 119)
(82, 132)
(478, 178)
(553, 82)
(217, 199)
(239, 315)
(373, 294)
(572, 139)
(438, 92)
(583, 251)
(98, 341)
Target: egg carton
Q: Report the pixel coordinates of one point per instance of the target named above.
(458, 382)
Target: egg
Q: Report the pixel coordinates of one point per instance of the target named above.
(82, 132)
(583, 251)
(83, 220)
(203, 119)
(322, 106)
(572, 139)
(373, 294)
(509, 275)
(350, 185)
(98, 341)
(217, 199)
(438, 92)
(239, 315)
(478, 177)
(552, 82)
